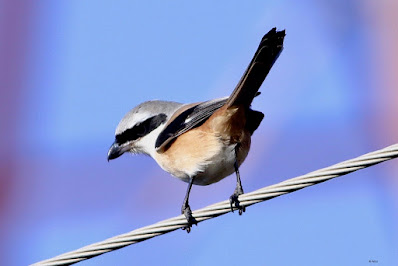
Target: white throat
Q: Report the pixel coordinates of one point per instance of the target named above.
(146, 145)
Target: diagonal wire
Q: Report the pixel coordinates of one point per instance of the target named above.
(223, 207)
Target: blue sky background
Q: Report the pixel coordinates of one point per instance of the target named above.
(72, 69)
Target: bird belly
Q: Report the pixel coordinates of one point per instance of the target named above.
(218, 167)
(202, 155)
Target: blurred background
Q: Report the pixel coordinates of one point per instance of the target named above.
(70, 70)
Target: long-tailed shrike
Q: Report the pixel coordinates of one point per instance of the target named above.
(201, 143)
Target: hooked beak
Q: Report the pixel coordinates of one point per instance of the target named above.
(114, 151)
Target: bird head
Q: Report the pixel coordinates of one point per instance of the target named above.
(138, 130)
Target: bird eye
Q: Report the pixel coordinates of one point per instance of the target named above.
(140, 130)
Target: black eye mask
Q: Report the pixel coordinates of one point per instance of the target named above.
(141, 129)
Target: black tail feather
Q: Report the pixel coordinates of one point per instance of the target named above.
(268, 51)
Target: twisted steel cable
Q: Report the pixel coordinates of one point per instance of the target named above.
(223, 207)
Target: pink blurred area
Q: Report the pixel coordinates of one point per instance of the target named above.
(70, 70)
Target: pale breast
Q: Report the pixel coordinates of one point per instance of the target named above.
(202, 155)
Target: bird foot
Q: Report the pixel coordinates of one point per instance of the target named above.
(186, 210)
(234, 200)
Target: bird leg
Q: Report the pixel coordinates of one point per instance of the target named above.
(234, 200)
(186, 210)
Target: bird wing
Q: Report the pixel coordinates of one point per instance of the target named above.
(185, 118)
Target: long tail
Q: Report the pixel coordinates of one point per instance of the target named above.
(268, 51)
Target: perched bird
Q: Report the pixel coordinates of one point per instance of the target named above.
(201, 143)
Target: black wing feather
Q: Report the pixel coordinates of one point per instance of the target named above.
(187, 120)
